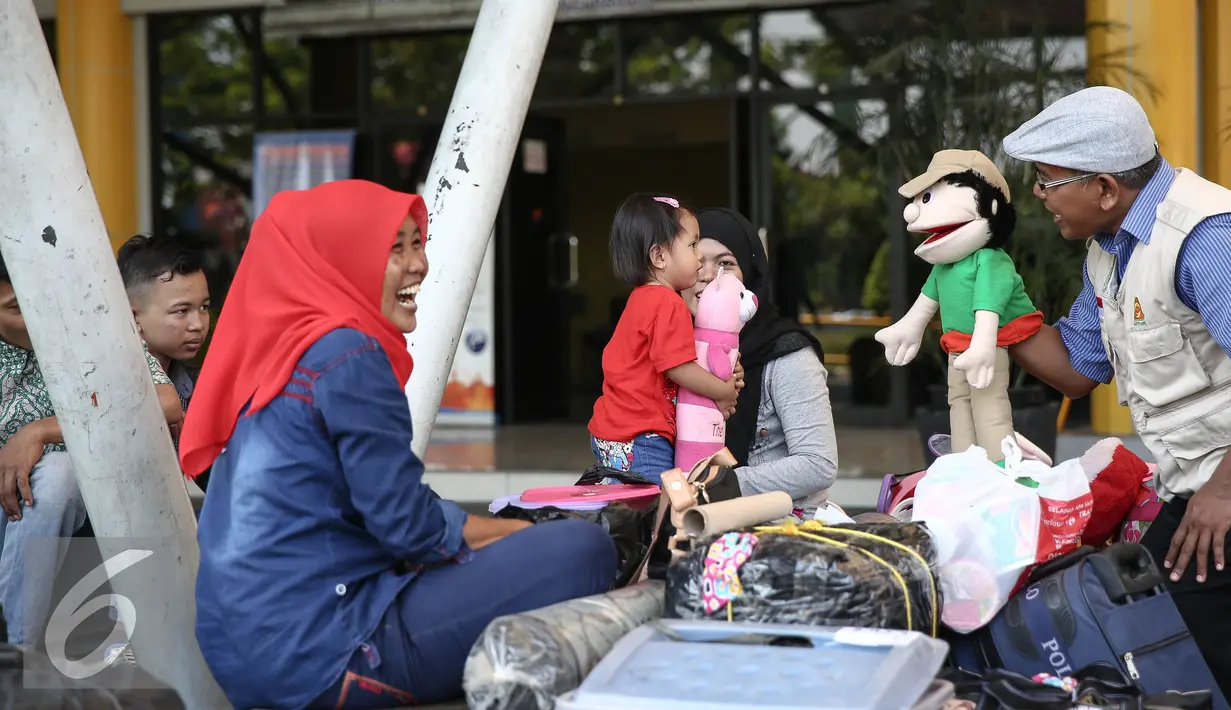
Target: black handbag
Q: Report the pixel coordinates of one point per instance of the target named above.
(596, 474)
(711, 480)
(1099, 685)
(631, 528)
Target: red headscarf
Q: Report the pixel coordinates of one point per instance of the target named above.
(315, 262)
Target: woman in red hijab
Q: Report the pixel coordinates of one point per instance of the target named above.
(331, 575)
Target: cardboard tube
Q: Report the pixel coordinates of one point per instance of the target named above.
(717, 518)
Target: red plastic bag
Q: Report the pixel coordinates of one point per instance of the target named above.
(1065, 503)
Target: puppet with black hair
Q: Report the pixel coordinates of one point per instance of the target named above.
(962, 203)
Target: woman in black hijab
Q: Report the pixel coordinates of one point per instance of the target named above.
(782, 429)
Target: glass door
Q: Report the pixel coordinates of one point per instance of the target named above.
(832, 221)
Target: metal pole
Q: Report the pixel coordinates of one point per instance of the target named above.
(59, 256)
(899, 250)
(466, 183)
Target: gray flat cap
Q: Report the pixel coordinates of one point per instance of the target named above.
(1095, 130)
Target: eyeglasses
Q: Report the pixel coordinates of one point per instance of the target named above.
(1048, 184)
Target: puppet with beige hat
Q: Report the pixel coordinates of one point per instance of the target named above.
(962, 203)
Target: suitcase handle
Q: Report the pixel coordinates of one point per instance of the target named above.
(1062, 562)
(1125, 569)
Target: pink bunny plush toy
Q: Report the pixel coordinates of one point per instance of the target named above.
(722, 310)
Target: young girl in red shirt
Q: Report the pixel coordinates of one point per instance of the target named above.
(652, 353)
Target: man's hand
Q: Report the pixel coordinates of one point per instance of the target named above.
(17, 460)
(480, 531)
(1204, 528)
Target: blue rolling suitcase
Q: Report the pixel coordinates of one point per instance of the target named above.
(1091, 606)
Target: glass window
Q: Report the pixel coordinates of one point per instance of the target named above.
(207, 175)
(699, 54)
(287, 65)
(794, 51)
(416, 73)
(404, 155)
(827, 195)
(206, 68)
(579, 63)
(828, 238)
(967, 81)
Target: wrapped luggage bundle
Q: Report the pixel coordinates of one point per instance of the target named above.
(524, 661)
(870, 576)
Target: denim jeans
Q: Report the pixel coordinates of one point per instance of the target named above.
(58, 511)
(418, 652)
(647, 455)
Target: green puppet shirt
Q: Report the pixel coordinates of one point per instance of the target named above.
(984, 281)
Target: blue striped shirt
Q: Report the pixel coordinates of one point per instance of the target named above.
(1202, 278)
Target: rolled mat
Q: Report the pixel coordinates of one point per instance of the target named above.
(525, 661)
(717, 518)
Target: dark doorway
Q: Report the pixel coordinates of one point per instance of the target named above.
(537, 272)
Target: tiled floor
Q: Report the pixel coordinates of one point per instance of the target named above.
(566, 447)
(862, 452)
(474, 466)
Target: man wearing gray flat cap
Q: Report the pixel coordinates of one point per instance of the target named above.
(1155, 312)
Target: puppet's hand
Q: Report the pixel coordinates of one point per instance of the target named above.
(901, 341)
(979, 360)
(979, 364)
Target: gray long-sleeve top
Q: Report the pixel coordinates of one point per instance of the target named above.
(795, 447)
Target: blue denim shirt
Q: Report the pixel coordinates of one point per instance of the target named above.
(315, 500)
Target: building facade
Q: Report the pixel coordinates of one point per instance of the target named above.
(804, 116)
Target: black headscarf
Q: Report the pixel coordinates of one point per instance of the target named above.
(768, 336)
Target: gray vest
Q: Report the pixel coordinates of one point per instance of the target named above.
(1172, 375)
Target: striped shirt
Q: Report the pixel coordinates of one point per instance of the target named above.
(1202, 278)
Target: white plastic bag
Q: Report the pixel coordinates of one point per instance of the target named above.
(991, 525)
(830, 513)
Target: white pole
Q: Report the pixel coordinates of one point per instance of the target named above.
(59, 257)
(466, 184)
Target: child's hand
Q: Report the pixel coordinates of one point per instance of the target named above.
(726, 403)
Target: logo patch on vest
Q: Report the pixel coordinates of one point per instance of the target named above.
(1139, 317)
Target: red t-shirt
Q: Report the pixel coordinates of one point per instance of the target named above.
(654, 335)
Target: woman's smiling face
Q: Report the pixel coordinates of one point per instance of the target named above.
(714, 255)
